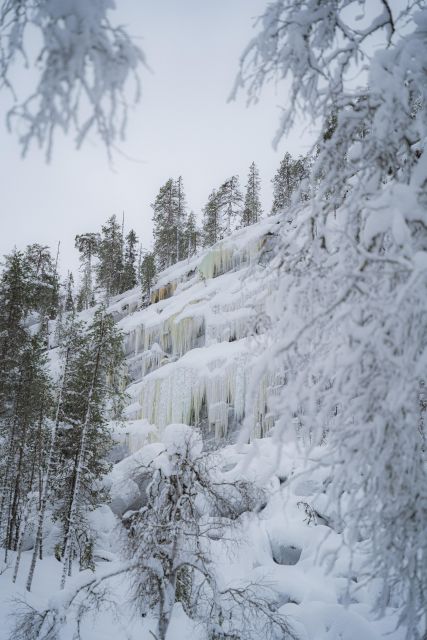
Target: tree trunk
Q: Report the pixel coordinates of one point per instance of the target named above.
(81, 456)
(46, 480)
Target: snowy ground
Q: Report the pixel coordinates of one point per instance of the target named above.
(290, 548)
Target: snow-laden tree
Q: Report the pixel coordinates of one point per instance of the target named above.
(287, 180)
(83, 65)
(91, 390)
(352, 309)
(188, 507)
(230, 202)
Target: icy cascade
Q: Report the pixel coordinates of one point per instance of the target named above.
(190, 353)
(210, 380)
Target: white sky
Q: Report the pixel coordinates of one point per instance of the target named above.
(182, 126)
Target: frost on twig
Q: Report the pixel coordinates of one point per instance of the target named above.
(84, 63)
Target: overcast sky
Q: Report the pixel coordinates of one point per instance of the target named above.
(182, 126)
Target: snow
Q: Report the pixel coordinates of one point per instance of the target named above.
(190, 357)
(189, 353)
(312, 584)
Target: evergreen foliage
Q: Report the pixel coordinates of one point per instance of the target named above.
(230, 201)
(170, 220)
(212, 228)
(164, 226)
(94, 365)
(44, 289)
(129, 279)
(69, 305)
(87, 244)
(252, 210)
(180, 219)
(288, 180)
(192, 236)
(147, 275)
(25, 400)
(109, 270)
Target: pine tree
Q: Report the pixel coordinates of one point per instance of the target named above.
(192, 236)
(83, 438)
(14, 305)
(69, 295)
(66, 345)
(252, 210)
(282, 185)
(180, 207)
(165, 231)
(147, 275)
(129, 270)
(21, 369)
(32, 414)
(44, 287)
(170, 221)
(230, 203)
(287, 180)
(211, 227)
(87, 245)
(24, 433)
(110, 252)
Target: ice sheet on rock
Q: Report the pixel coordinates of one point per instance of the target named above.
(212, 376)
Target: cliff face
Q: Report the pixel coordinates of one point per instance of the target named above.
(190, 353)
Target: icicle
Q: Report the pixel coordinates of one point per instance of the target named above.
(177, 394)
(175, 336)
(224, 257)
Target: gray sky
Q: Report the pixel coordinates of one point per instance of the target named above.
(182, 126)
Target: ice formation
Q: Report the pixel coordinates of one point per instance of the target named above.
(190, 352)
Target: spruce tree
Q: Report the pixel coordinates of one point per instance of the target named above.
(83, 438)
(192, 236)
(69, 294)
(87, 244)
(66, 344)
(23, 384)
(287, 180)
(15, 292)
(129, 279)
(252, 210)
(147, 275)
(211, 227)
(283, 185)
(230, 203)
(44, 288)
(180, 207)
(170, 222)
(33, 406)
(24, 434)
(110, 253)
(165, 231)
